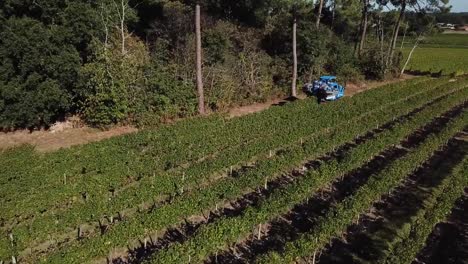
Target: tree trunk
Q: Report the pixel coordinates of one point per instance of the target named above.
(122, 24)
(294, 80)
(364, 20)
(396, 30)
(409, 56)
(404, 36)
(333, 14)
(319, 14)
(201, 96)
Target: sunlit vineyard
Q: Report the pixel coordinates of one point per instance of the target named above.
(275, 186)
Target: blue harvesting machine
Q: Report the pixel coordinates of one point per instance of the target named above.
(333, 90)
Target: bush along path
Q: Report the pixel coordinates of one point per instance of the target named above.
(228, 231)
(347, 212)
(390, 112)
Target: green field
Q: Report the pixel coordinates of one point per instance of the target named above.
(103, 200)
(447, 60)
(441, 41)
(447, 53)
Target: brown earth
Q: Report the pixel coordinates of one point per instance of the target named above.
(64, 136)
(46, 141)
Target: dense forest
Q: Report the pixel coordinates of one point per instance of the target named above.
(121, 61)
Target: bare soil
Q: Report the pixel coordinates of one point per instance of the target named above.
(46, 141)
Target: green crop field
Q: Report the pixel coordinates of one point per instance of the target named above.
(446, 53)
(441, 41)
(447, 60)
(271, 187)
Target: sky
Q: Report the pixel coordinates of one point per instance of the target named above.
(459, 5)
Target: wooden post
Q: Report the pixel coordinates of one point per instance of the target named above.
(201, 96)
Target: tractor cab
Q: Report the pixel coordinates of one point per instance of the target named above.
(334, 91)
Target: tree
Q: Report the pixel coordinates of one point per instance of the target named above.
(410, 54)
(201, 97)
(396, 29)
(363, 26)
(319, 14)
(421, 6)
(294, 78)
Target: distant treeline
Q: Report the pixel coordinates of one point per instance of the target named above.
(452, 18)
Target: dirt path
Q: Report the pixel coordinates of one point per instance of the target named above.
(351, 89)
(46, 141)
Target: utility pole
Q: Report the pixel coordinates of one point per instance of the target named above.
(201, 96)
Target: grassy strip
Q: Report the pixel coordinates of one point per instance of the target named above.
(41, 228)
(230, 188)
(223, 233)
(345, 213)
(406, 246)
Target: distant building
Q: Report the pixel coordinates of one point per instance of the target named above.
(446, 26)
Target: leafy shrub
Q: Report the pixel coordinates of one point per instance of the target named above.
(37, 73)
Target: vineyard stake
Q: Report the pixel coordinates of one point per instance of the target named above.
(231, 171)
(13, 260)
(183, 176)
(79, 232)
(65, 179)
(145, 242)
(11, 238)
(270, 154)
(266, 183)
